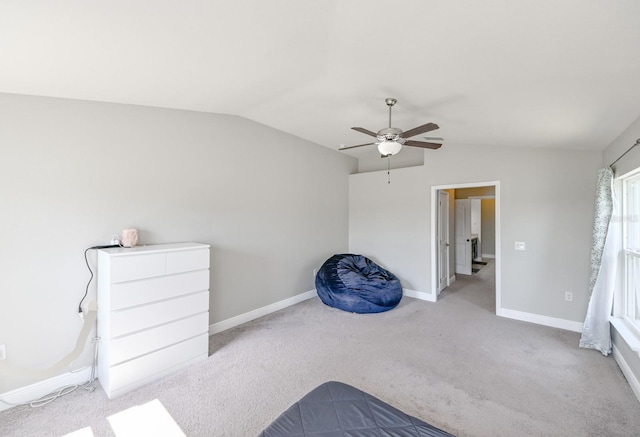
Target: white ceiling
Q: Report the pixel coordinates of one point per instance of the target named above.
(540, 73)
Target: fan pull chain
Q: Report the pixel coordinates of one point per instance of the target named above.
(388, 169)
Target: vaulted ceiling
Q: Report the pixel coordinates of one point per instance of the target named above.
(539, 73)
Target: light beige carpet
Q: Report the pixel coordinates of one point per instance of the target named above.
(453, 364)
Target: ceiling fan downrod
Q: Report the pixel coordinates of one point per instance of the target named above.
(390, 101)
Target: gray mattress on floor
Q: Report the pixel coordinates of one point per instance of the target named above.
(335, 409)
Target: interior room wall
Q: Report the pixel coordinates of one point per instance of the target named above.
(488, 211)
(620, 145)
(546, 200)
(465, 193)
(388, 222)
(272, 206)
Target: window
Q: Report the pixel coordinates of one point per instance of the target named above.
(631, 249)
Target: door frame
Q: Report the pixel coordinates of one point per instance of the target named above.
(446, 248)
(434, 236)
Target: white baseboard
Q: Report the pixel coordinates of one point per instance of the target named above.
(452, 279)
(627, 372)
(263, 311)
(39, 389)
(541, 320)
(486, 255)
(259, 312)
(418, 295)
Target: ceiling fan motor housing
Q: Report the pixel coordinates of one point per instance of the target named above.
(391, 134)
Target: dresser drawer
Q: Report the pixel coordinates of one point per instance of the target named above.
(144, 342)
(128, 294)
(187, 260)
(138, 318)
(158, 362)
(131, 267)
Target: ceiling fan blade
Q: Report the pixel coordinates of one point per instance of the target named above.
(365, 131)
(351, 147)
(422, 144)
(420, 130)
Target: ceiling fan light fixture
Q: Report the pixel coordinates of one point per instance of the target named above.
(389, 147)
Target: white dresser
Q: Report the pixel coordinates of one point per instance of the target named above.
(153, 312)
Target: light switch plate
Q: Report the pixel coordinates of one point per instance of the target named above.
(520, 245)
(3, 352)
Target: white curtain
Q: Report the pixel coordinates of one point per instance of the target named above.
(604, 256)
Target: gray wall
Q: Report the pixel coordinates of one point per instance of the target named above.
(546, 200)
(630, 162)
(74, 173)
(488, 226)
(388, 222)
(620, 145)
(465, 193)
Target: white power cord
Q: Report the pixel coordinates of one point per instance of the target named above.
(90, 386)
(48, 398)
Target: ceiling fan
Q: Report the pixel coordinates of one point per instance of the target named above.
(391, 139)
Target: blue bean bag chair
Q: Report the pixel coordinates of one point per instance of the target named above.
(356, 284)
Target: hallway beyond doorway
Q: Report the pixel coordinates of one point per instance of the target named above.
(477, 289)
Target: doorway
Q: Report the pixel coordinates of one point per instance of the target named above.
(438, 239)
(443, 241)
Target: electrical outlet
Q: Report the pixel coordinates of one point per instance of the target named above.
(568, 296)
(520, 245)
(3, 352)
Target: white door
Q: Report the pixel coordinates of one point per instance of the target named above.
(443, 240)
(463, 236)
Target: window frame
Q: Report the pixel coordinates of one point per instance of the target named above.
(625, 327)
(631, 255)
